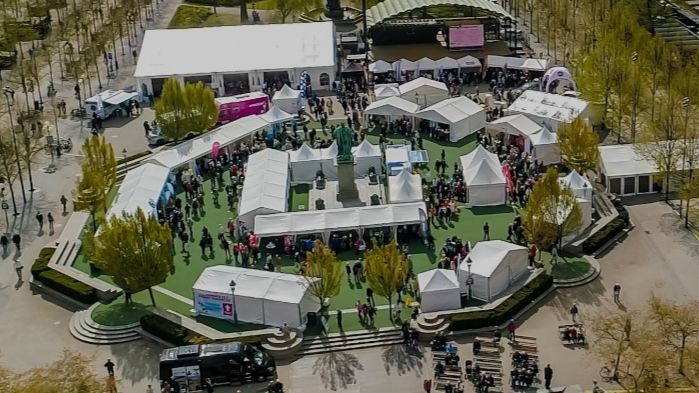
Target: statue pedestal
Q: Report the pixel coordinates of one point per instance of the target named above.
(347, 189)
(333, 10)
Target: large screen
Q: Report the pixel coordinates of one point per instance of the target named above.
(468, 36)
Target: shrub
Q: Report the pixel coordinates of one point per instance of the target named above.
(506, 309)
(623, 213)
(41, 263)
(68, 286)
(218, 3)
(601, 237)
(164, 329)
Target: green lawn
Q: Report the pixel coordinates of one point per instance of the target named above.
(298, 198)
(188, 16)
(117, 313)
(567, 267)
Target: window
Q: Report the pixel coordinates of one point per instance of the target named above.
(324, 79)
(629, 185)
(615, 186)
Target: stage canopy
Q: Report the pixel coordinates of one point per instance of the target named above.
(275, 115)
(463, 116)
(383, 91)
(405, 187)
(141, 188)
(439, 290)
(380, 67)
(495, 265)
(549, 110)
(485, 182)
(305, 163)
(261, 297)
(392, 8)
(580, 185)
(517, 63)
(326, 221)
(426, 91)
(288, 99)
(392, 106)
(541, 143)
(266, 186)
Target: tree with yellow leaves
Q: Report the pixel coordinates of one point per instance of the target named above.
(578, 144)
(323, 272)
(385, 268)
(678, 323)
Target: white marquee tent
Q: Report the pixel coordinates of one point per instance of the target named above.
(541, 143)
(404, 65)
(305, 163)
(495, 265)
(392, 107)
(439, 290)
(426, 91)
(463, 116)
(380, 67)
(485, 182)
(276, 115)
(366, 156)
(426, 64)
(580, 185)
(141, 188)
(288, 99)
(326, 221)
(549, 110)
(448, 63)
(328, 155)
(405, 187)
(397, 158)
(266, 186)
(383, 91)
(470, 63)
(517, 63)
(261, 297)
(625, 171)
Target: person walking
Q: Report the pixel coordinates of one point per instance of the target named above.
(109, 365)
(617, 291)
(49, 217)
(16, 239)
(548, 375)
(339, 319)
(18, 268)
(512, 328)
(574, 311)
(370, 296)
(64, 202)
(4, 242)
(486, 231)
(40, 219)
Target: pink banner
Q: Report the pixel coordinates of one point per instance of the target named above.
(508, 177)
(468, 36)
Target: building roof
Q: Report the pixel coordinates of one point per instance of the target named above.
(392, 106)
(141, 188)
(487, 256)
(547, 105)
(266, 182)
(437, 280)
(229, 49)
(451, 110)
(624, 160)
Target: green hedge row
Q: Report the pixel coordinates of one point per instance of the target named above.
(613, 228)
(218, 3)
(506, 310)
(59, 282)
(178, 335)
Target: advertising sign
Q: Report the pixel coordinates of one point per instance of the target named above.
(468, 36)
(213, 305)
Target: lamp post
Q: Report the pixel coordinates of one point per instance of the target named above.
(469, 279)
(9, 93)
(685, 106)
(235, 309)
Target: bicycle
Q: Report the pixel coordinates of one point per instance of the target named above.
(606, 374)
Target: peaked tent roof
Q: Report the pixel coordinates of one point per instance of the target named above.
(421, 82)
(437, 280)
(330, 151)
(353, 67)
(478, 154)
(575, 181)
(451, 110)
(304, 153)
(483, 173)
(517, 63)
(385, 91)
(286, 92)
(469, 61)
(366, 149)
(520, 123)
(276, 115)
(448, 63)
(426, 63)
(392, 106)
(405, 64)
(544, 137)
(380, 66)
(266, 182)
(487, 255)
(405, 187)
(390, 8)
(141, 187)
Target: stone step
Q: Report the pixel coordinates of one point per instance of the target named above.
(280, 339)
(282, 345)
(433, 325)
(86, 326)
(351, 336)
(354, 346)
(82, 330)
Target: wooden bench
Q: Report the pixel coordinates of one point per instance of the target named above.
(487, 360)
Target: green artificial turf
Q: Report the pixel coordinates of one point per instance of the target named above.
(298, 198)
(567, 267)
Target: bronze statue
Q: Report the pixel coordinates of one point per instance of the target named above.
(343, 137)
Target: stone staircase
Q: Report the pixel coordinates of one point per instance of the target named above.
(283, 345)
(83, 328)
(350, 341)
(428, 325)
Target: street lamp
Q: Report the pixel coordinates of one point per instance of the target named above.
(469, 278)
(10, 94)
(235, 309)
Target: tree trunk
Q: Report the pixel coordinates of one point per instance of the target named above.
(390, 309)
(244, 12)
(152, 298)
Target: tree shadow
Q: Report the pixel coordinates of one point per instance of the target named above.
(337, 369)
(136, 362)
(402, 359)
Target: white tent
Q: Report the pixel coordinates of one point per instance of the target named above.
(517, 63)
(404, 65)
(386, 90)
(580, 185)
(470, 63)
(549, 110)
(141, 188)
(288, 99)
(495, 265)
(392, 106)
(397, 158)
(425, 91)
(275, 115)
(380, 67)
(343, 219)
(485, 182)
(405, 187)
(260, 297)
(328, 156)
(448, 63)
(426, 64)
(463, 116)
(556, 74)
(366, 156)
(305, 163)
(266, 186)
(439, 290)
(541, 143)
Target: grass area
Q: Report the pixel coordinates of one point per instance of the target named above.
(263, 5)
(188, 16)
(117, 313)
(567, 267)
(298, 197)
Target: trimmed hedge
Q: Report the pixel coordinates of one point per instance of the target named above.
(179, 335)
(41, 264)
(219, 3)
(506, 309)
(613, 228)
(68, 286)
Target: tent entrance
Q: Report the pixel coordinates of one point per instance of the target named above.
(343, 240)
(234, 84)
(274, 77)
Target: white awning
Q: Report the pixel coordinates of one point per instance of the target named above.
(266, 185)
(551, 109)
(141, 188)
(404, 65)
(517, 63)
(286, 92)
(112, 97)
(469, 62)
(450, 111)
(276, 115)
(392, 106)
(426, 64)
(380, 66)
(447, 63)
